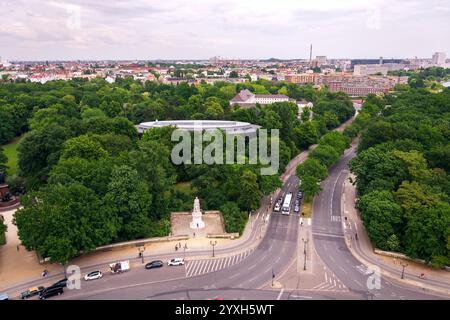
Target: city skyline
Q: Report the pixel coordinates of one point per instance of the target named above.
(151, 30)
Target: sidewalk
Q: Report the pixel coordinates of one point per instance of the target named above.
(437, 280)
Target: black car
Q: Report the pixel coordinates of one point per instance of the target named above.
(61, 283)
(154, 264)
(50, 292)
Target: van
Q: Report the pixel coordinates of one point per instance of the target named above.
(50, 292)
(4, 296)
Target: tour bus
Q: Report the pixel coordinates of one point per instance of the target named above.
(286, 208)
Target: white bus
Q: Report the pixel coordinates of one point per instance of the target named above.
(286, 208)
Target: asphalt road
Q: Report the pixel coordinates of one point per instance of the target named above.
(272, 255)
(329, 242)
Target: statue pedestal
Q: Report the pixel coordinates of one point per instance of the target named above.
(197, 222)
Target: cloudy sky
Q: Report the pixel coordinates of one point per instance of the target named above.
(198, 29)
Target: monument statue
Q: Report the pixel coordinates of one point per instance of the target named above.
(197, 222)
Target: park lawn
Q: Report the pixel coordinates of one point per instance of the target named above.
(307, 206)
(10, 151)
(184, 187)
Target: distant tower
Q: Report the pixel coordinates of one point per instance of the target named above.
(381, 60)
(310, 55)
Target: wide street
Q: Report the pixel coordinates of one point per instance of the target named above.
(250, 275)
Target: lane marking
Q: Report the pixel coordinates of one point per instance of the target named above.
(279, 295)
(253, 266)
(301, 297)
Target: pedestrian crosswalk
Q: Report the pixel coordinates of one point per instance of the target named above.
(331, 283)
(198, 267)
(335, 218)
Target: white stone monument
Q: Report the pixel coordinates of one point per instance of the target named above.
(197, 222)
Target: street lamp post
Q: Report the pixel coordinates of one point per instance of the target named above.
(305, 242)
(273, 276)
(213, 243)
(404, 265)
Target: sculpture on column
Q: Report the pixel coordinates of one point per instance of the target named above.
(197, 222)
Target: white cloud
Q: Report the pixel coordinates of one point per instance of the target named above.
(234, 28)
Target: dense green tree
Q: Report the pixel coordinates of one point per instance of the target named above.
(61, 221)
(234, 218)
(250, 194)
(326, 154)
(83, 147)
(305, 135)
(40, 149)
(382, 217)
(3, 161)
(130, 200)
(310, 185)
(312, 167)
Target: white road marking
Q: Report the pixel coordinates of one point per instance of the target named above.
(359, 283)
(194, 265)
(252, 267)
(280, 294)
(215, 265)
(343, 270)
(203, 267)
(301, 297)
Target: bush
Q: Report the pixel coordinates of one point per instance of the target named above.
(233, 217)
(3, 228)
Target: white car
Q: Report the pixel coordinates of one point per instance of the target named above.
(277, 207)
(94, 275)
(175, 262)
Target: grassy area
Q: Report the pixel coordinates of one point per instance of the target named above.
(185, 187)
(10, 150)
(307, 206)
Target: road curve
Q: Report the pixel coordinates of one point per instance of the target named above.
(330, 245)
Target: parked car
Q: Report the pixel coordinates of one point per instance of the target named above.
(61, 283)
(50, 292)
(154, 264)
(300, 195)
(277, 207)
(175, 262)
(4, 296)
(296, 209)
(94, 275)
(31, 292)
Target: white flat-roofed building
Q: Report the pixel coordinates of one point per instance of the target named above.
(246, 97)
(229, 127)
